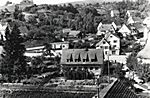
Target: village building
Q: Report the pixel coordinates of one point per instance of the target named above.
(101, 11)
(131, 20)
(11, 6)
(28, 15)
(105, 45)
(60, 45)
(105, 28)
(26, 2)
(143, 56)
(114, 13)
(73, 34)
(132, 13)
(91, 59)
(3, 26)
(110, 44)
(124, 30)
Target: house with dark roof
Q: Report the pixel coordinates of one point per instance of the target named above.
(91, 59)
(116, 89)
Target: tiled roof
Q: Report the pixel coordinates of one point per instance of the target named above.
(82, 56)
(117, 89)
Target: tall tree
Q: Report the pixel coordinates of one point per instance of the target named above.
(13, 64)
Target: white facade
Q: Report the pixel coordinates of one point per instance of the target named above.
(110, 45)
(3, 27)
(60, 45)
(124, 30)
(103, 44)
(115, 44)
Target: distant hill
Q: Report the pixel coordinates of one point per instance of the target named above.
(100, 1)
(93, 1)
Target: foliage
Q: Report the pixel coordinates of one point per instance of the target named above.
(13, 64)
(78, 74)
(132, 62)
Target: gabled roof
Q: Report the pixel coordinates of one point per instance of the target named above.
(124, 28)
(82, 56)
(103, 40)
(107, 35)
(117, 90)
(74, 33)
(106, 38)
(107, 27)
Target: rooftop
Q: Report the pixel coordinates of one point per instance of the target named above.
(82, 56)
(117, 89)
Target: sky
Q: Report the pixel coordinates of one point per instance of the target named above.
(3, 2)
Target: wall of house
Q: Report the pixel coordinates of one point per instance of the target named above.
(105, 46)
(115, 45)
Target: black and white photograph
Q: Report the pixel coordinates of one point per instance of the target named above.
(74, 48)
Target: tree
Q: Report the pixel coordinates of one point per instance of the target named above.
(132, 62)
(13, 64)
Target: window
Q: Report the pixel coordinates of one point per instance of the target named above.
(115, 41)
(84, 60)
(95, 59)
(91, 68)
(114, 46)
(76, 60)
(68, 60)
(106, 52)
(113, 52)
(106, 47)
(111, 36)
(104, 42)
(101, 46)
